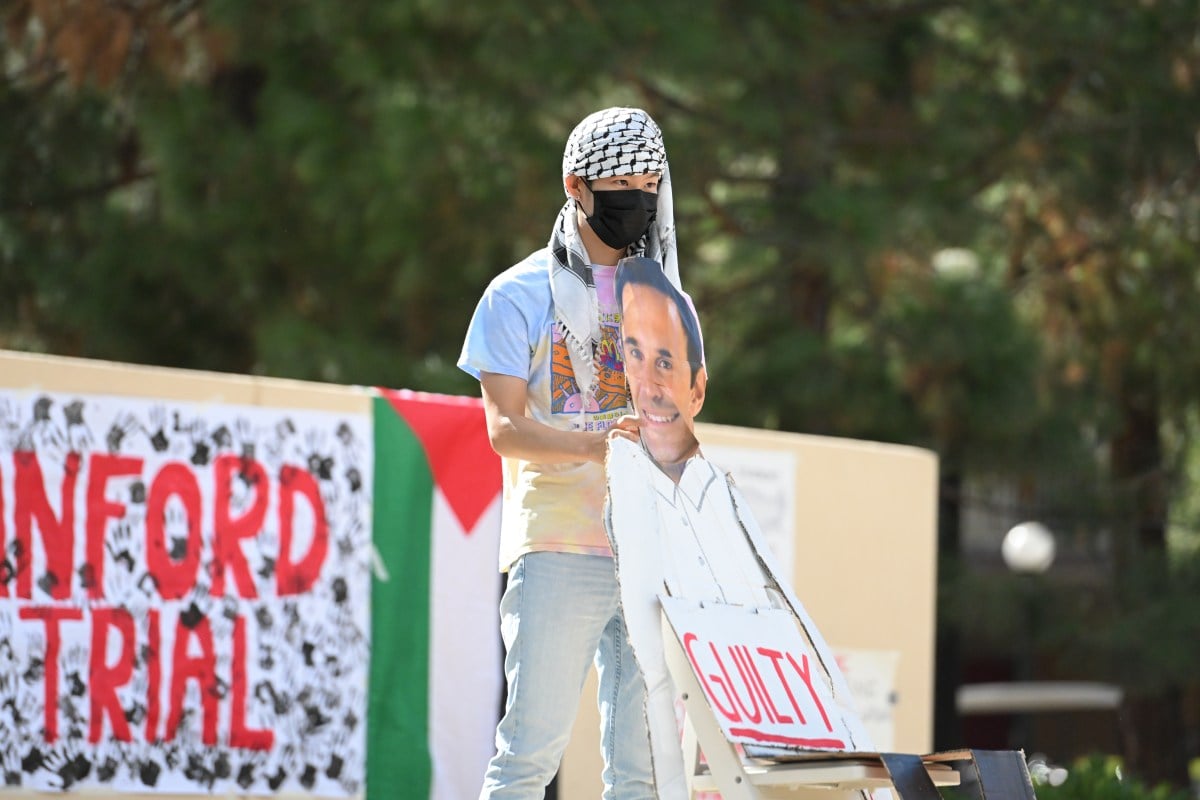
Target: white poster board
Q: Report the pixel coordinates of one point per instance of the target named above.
(184, 596)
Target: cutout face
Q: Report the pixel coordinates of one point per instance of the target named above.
(665, 392)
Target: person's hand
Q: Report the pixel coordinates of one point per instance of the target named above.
(627, 427)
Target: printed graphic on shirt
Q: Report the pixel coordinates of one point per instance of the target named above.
(610, 369)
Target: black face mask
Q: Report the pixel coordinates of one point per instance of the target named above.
(622, 216)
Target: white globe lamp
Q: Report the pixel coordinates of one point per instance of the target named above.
(1028, 547)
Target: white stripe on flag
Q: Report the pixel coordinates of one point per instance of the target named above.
(465, 680)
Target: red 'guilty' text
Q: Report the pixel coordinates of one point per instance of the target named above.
(763, 693)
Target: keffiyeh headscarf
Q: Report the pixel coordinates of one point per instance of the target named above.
(606, 144)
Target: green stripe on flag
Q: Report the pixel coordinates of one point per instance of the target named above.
(398, 759)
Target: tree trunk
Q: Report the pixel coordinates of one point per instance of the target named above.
(1152, 736)
(1152, 729)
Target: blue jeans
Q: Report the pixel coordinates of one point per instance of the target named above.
(559, 612)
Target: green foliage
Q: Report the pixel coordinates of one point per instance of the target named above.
(1184, 534)
(298, 211)
(1100, 778)
(1155, 595)
(959, 350)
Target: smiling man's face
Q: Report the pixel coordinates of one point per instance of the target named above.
(659, 375)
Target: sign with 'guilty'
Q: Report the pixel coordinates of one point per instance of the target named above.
(760, 677)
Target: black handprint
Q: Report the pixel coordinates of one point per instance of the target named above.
(79, 435)
(122, 426)
(321, 466)
(267, 569)
(198, 772)
(158, 423)
(308, 777)
(148, 772)
(69, 764)
(10, 425)
(201, 453)
(354, 478)
(223, 438)
(120, 545)
(41, 409)
(33, 761)
(247, 772)
(42, 435)
(106, 770)
(12, 772)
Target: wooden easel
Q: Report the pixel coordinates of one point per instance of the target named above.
(985, 775)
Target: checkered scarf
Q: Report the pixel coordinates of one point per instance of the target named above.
(615, 141)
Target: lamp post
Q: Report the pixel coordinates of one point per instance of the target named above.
(1027, 550)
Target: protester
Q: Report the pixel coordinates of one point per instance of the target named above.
(544, 345)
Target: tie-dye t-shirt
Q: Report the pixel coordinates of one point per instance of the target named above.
(548, 506)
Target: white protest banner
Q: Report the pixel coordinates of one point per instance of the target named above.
(184, 596)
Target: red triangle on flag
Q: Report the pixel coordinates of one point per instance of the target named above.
(453, 431)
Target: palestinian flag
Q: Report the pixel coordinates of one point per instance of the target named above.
(436, 680)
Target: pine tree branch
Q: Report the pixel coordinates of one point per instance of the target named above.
(76, 194)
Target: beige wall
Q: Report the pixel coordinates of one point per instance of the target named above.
(60, 374)
(864, 567)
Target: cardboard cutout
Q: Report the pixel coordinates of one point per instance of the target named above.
(686, 545)
(691, 550)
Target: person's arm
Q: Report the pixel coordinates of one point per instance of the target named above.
(515, 435)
